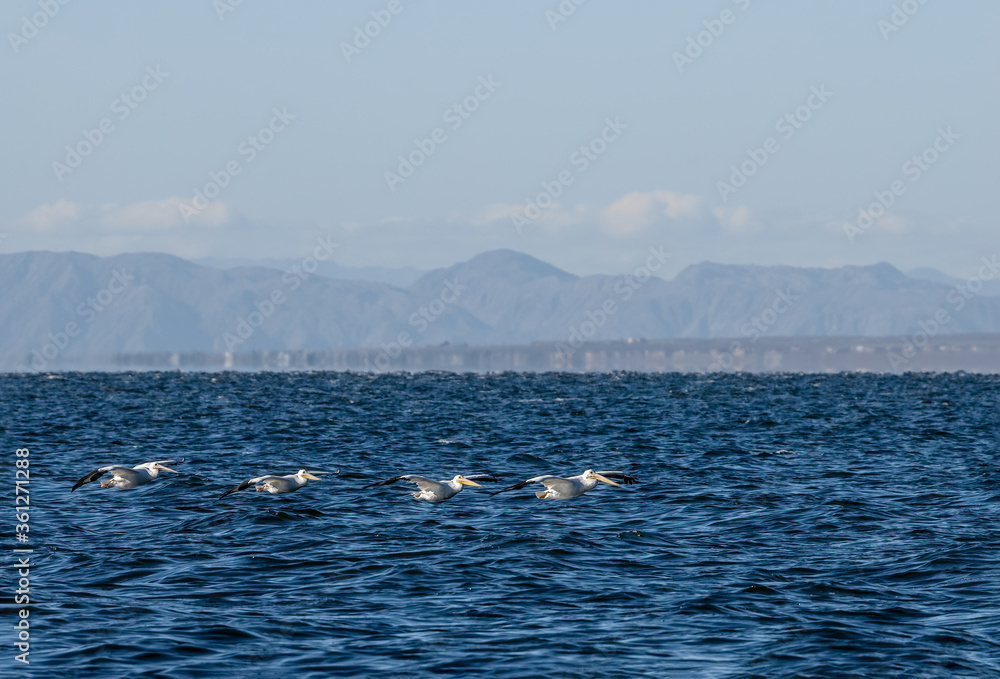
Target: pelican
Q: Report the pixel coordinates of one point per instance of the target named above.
(276, 484)
(557, 488)
(437, 491)
(125, 478)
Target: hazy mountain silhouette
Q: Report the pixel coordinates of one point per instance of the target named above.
(67, 305)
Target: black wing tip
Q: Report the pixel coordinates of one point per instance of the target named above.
(488, 478)
(483, 478)
(516, 486)
(229, 492)
(383, 482)
(624, 477)
(242, 486)
(92, 476)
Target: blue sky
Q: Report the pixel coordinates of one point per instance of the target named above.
(210, 85)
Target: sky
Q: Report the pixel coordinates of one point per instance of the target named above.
(413, 133)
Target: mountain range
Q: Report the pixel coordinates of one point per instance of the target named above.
(61, 307)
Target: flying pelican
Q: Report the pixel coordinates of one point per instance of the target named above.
(437, 491)
(125, 478)
(557, 488)
(276, 484)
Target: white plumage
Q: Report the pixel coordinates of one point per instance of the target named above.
(559, 488)
(437, 491)
(276, 484)
(126, 477)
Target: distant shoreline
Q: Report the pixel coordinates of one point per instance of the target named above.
(978, 353)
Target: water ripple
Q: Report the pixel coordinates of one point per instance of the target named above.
(783, 526)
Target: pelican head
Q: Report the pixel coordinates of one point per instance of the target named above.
(591, 474)
(156, 467)
(306, 475)
(466, 482)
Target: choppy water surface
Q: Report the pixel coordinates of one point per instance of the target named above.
(793, 525)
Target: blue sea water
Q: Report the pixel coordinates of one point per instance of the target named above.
(783, 526)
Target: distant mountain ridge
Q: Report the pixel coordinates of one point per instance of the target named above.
(990, 287)
(400, 277)
(61, 306)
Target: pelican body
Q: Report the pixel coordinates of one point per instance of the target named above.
(437, 491)
(558, 488)
(275, 485)
(125, 477)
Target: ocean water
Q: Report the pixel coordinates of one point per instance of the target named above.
(782, 526)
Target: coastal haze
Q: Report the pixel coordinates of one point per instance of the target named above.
(291, 188)
(699, 302)
(149, 310)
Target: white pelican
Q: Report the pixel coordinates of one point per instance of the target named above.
(276, 484)
(437, 491)
(125, 478)
(557, 488)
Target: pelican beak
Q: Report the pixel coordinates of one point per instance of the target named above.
(311, 477)
(606, 480)
(167, 469)
(467, 482)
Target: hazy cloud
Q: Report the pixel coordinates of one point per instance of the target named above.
(636, 211)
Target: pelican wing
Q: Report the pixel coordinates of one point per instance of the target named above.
(420, 481)
(98, 473)
(246, 484)
(627, 479)
(560, 485)
(423, 483)
(526, 482)
(387, 482)
(480, 478)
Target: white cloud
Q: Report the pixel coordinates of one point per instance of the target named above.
(51, 217)
(891, 223)
(630, 213)
(147, 216)
(733, 220)
(496, 213)
(554, 215)
(155, 225)
(635, 211)
(679, 204)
